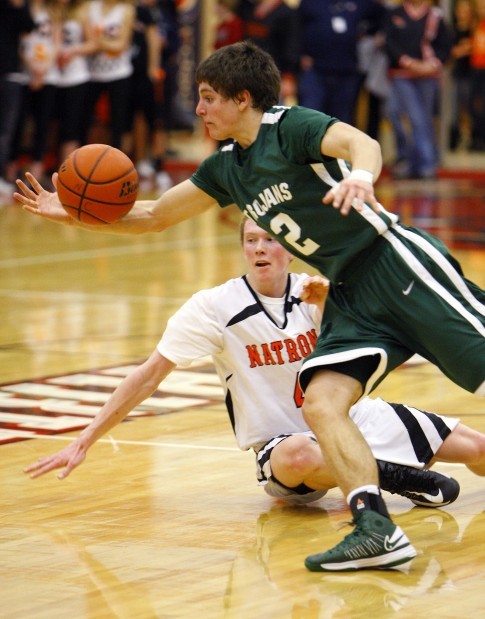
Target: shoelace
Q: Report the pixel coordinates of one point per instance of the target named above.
(351, 523)
(398, 480)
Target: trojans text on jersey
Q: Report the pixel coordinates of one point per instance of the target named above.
(268, 198)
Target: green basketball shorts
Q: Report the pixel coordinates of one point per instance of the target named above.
(406, 295)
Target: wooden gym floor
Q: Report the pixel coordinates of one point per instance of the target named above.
(165, 520)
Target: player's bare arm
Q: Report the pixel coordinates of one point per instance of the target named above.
(136, 387)
(177, 204)
(343, 141)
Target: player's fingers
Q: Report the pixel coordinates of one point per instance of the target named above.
(31, 209)
(77, 459)
(305, 294)
(35, 465)
(344, 206)
(66, 470)
(358, 201)
(21, 198)
(306, 287)
(314, 289)
(34, 182)
(34, 472)
(331, 194)
(26, 191)
(341, 198)
(374, 204)
(27, 204)
(38, 473)
(355, 198)
(42, 466)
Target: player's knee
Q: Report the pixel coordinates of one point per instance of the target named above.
(315, 408)
(328, 397)
(320, 411)
(476, 456)
(301, 455)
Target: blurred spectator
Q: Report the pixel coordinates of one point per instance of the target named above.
(418, 43)
(110, 25)
(229, 27)
(147, 137)
(273, 25)
(373, 64)
(477, 61)
(73, 85)
(330, 78)
(393, 113)
(178, 117)
(15, 20)
(463, 24)
(40, 51)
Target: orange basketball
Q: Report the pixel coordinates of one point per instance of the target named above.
(98, 184)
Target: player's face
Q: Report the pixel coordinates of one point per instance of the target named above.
(221, 116)
(267, 260)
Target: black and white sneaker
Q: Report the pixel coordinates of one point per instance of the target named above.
(422, 486)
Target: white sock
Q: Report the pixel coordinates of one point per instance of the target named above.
(371, 488)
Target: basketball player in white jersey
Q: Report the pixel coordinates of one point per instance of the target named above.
(258, 331)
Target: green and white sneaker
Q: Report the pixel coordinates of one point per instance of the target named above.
(375, 543)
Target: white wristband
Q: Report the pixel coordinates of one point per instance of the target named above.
(362, 175)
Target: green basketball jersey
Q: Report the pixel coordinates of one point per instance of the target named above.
(279, 182)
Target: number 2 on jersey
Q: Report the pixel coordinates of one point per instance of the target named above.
(292, 237)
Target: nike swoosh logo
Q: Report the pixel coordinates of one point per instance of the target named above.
(408, 289)
(434, 498)
(389, 545)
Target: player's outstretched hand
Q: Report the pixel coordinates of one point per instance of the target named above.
(37, 200)
(315, 290)
(70, 457)
(350, 193)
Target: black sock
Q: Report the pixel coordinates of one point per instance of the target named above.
(368, 500)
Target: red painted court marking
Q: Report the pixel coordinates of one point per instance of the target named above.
(68, 402)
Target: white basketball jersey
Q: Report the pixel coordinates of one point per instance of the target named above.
(76, 71)
(106, 67)
(39, 50)
(255, 351)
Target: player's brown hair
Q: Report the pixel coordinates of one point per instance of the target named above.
(242, 225)
(242, 66)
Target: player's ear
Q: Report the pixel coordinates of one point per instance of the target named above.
(243, 99)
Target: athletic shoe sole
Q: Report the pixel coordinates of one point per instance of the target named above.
(398, 559)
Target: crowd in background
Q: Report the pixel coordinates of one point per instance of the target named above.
(78, 71)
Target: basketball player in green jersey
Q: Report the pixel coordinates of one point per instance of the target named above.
(308, 179)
